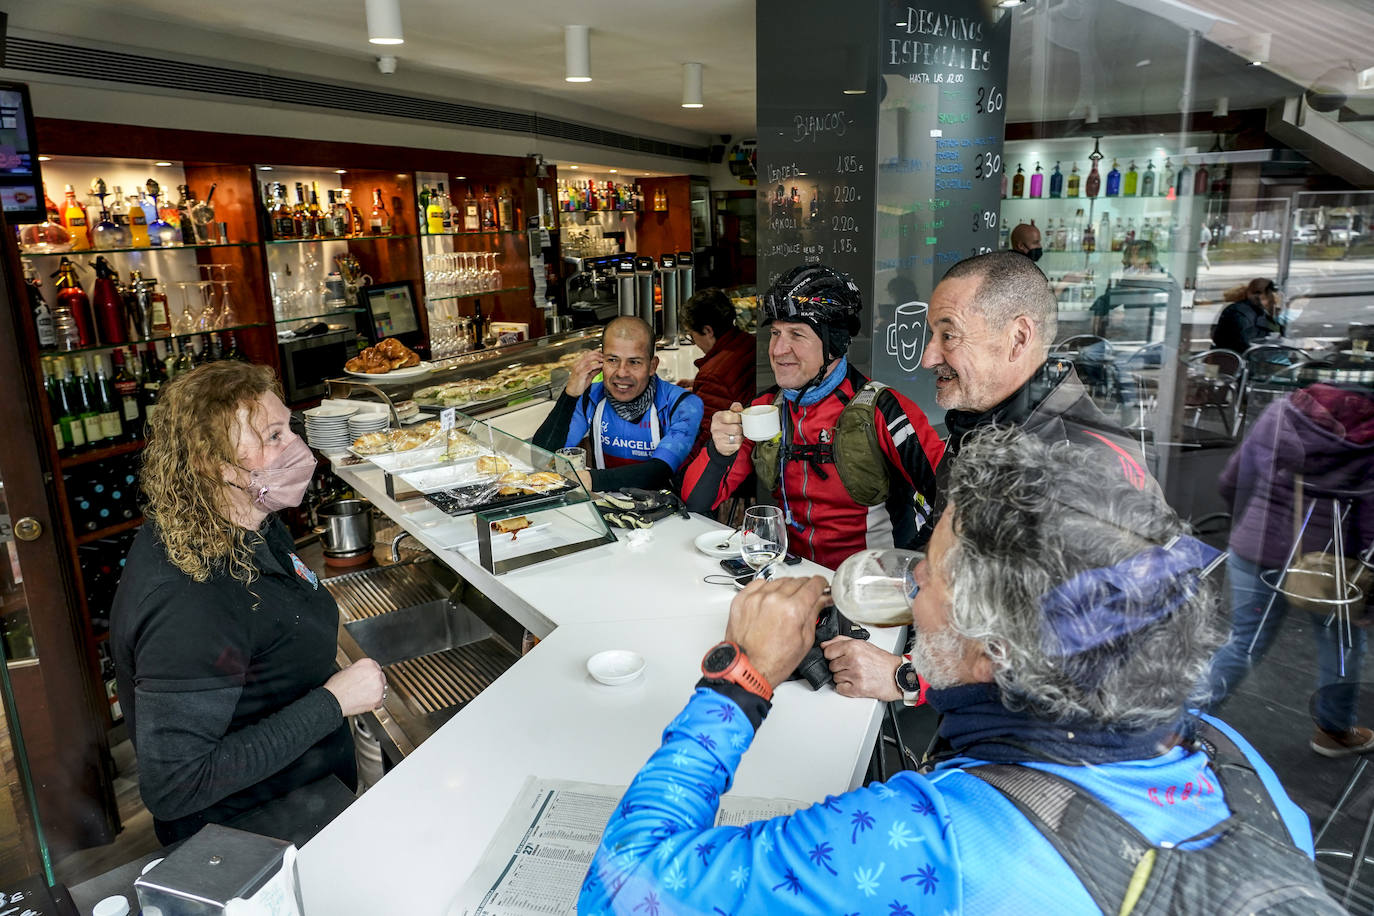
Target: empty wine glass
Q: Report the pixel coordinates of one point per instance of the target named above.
(205, 320)
(185, 322)
(876, 587)
(763, 538)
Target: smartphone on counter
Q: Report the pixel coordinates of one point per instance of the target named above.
(737, 567)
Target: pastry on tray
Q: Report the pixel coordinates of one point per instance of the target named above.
(377, 443)
(510, 525)
(492, 464)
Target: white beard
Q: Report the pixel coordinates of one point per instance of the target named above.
(936, 656)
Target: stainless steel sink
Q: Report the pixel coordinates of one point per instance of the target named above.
(437, 653)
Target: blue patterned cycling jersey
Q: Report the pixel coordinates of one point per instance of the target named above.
(667, 430)
(944, 844)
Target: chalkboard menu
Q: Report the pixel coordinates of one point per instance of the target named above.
(880, 154)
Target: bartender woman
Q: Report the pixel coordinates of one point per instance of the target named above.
(224, 641)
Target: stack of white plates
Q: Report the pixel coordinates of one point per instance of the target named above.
(367, 422)
(326, 427)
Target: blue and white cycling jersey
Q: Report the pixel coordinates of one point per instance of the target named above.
(667, 430)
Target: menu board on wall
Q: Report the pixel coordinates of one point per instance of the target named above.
(817, 142)
(941, 121)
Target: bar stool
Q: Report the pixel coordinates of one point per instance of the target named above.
(1356, 896)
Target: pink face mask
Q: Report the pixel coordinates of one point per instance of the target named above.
(283, 486)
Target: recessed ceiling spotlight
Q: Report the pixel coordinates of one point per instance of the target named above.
(613, 171)
(1008, 4)
(162, 163)
(341, 171)
(44, 158)
(460, 178)
(572, 166)
(261, 168)
(1143, 63)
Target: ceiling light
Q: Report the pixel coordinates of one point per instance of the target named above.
(1258, 49)
(341, 171)
(384, 22)
(162, 163)
(855, 91)
(572, 166)
(1008, 4)
(1256, 63)
(613, 171)
(577, 54)
(44, 158)
(1143, 63)
(460, 178)
(691, 85)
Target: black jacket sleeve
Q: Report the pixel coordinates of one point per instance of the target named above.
(552, 434)
(653, 474)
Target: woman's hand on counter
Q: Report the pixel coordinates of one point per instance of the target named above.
(582, 372)
(359, 687)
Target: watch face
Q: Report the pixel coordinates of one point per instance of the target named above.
(907, 679)
(718, 659)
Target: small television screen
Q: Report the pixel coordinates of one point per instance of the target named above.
(21, 183)
(391, 308)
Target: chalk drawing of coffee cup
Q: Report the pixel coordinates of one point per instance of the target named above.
(906, 335)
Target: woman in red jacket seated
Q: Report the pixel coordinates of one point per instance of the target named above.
(726, 373)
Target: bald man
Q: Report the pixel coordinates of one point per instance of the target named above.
(1025, 238)
(638, 430)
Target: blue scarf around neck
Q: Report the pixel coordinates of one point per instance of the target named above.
(818, 393)
(976, 724)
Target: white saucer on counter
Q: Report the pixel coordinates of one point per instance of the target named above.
(709, 543)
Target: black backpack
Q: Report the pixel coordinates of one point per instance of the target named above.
(1252, 867)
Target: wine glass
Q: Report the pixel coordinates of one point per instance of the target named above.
(205, 320)
(185, 322)
(763, 538)
(876, 587)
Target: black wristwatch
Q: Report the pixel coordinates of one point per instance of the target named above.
(907, 680)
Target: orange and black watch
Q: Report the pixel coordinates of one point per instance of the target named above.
(726, 661)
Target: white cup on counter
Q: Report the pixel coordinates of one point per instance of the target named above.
(761, 422)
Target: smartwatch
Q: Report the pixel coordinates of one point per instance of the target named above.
(726, 661)
(907, 681)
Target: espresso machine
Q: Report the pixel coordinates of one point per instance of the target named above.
(592, 290)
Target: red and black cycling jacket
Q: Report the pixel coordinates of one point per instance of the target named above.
(827, 525)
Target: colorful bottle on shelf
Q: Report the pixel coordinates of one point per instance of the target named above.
(1056, 182)
(1147, 181)
(1037, 182)
(1074, 181)
(379, 223)
(1166, 179)
(108, 304)
(1089, 236)
(74, 219)
(472, 213)
(1201, 180)
(434, 214)
(1114, 181)
(318, 222)
(505, 211)
(73, 306)
(1018, 183)
(138, 224)
(1184, 183)
(1093, 186)
(1130, 182)
(1004, 184)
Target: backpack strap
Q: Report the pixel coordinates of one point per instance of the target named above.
(1111, 858)
(1245, 792)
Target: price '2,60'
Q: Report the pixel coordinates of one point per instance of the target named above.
(989, 164)
(990, 100)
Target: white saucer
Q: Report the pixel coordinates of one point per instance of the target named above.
(709, 542)
(615, 666)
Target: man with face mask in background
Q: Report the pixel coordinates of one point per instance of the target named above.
(810, 313)
(223, 639)
(1025, 238)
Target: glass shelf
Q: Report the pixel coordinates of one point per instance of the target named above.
(139, 343)
(351, 238)
(461, 234)
(485, 292)
(92, 252)
(331, 312)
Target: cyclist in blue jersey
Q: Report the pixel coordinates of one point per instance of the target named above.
(638, 429)
(1063, 618)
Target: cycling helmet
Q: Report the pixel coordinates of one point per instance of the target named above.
(819, 296)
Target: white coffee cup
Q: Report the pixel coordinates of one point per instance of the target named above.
(761, 422)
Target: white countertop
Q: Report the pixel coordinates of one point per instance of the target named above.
(413, 839)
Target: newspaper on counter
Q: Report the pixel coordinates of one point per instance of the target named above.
(535, 864)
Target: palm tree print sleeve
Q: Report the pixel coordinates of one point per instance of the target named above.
(885, 849)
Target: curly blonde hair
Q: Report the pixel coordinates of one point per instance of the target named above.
(192, 435)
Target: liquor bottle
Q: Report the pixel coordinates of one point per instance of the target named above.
(74, 219)
(107, 404)
(216, 352)
(184, 222)
(1166, 180)
(422, 202)
(379, 223)
(283, 220)
(1075, 238)
(185, 362)
(1056, 182)
(472, 214)
(1089, 237)
(1184, 184)
(1047, 234)
(1073, 181)
(338, 215)
(1003, 234)
(138, 224)
(1018, 183)
(126, 391)
(148, 203)
(304, 226)
(42, 316)
(171, 358)
(69, 412)
(1201, 180)
(1130, 229)
(1114, 181)
(150, 384)
(1147, 181)
(1104, 231)
(233, 351)
(1093, 186)
(1004, 184)
(315, 213)
(1061, 236)
(50, 205)
(119, 210)
(161, 314)
(593, 199)
(1037, 182)
(88, 404)
(72, 306)
(1118, 235)
(355, 217)
(505, 211)
(489, 207)
(434, 213)
(50, 388)
(815, 212)
(564, 199)
(108, 304)
(1130, 182)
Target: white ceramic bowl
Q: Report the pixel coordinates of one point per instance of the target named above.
(615, 666)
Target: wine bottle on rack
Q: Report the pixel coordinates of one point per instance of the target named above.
(108, 404)
(68, 416)
(87, 405)
(50, 388)
(126, 391)
(153, 377)
(233, 351)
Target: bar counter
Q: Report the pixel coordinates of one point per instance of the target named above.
(411, 841)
